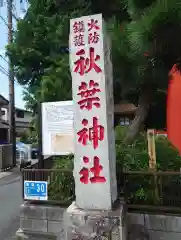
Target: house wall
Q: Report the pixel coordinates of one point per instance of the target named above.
(4, 116)
(21, 123)
(27, 118)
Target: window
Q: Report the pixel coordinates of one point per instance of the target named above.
(2, 112)
(19, 114)
(124, 121)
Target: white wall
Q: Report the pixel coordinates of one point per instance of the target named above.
(27, 118)
(4, 117)
(20, 122)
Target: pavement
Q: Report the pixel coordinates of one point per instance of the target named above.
(10, 201)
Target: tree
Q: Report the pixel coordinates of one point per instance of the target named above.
(41, 64)
(146, 43)
(148, 47)
(38, 51)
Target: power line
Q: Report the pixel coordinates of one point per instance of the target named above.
(4, 21)
(4, 71)
(4, 58)
(14, 14)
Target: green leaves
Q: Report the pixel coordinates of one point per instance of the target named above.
(135, 156)
(146, 37)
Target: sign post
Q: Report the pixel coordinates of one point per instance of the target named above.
(94, 140)
(152, 159)
(151, 148)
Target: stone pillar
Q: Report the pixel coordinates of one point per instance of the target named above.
(92, 215)
(94, 157)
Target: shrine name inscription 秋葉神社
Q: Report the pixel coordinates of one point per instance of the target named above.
(94, 159)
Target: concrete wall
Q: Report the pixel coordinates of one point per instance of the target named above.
(47, 222)
(159, 227)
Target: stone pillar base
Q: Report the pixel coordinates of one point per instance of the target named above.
(86, 225)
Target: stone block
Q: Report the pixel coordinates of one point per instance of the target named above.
(61, 237)
(33, 225)
(115, 237)
(159, 235)
(115, 231)
(135, 218)
(55, 227)
(138, 232)
(55, 213)
(33, 211)
(26, 235)
(163, 223)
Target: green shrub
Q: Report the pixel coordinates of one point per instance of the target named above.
(132, 157)
(145, 188)
(135, 156)
(61, 187)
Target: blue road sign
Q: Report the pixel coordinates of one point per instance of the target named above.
(35, 190)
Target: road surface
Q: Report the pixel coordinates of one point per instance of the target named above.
(10, 201)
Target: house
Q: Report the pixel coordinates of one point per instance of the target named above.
(23, 119)
(3, 124)
(124, 113)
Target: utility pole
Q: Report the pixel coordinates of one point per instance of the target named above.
(12, 132)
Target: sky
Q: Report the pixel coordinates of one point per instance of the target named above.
(4, 85)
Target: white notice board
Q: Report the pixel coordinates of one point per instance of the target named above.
(57, 128)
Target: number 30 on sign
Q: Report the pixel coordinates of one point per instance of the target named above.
(35, 190)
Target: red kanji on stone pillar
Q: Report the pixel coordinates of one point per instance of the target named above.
(96, 133)
(93, 37)
(93, 134)
(84, 65)
(79, 40)
(78, 27)
(93, 24)
(96, 170)
(88, 95)
(84, 172)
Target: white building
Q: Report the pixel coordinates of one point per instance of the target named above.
(23, 118)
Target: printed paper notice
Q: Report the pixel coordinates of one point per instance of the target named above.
(57, 128)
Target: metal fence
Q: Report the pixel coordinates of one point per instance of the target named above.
(141, 190)
(60, 183)
(153, 190)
